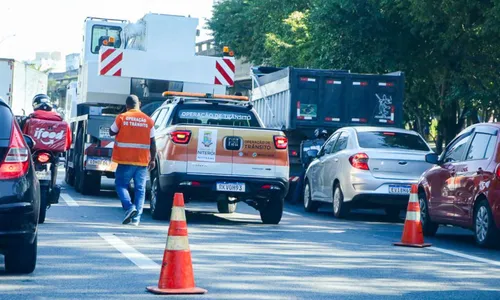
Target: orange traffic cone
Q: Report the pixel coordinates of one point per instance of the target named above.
(412, 232)
(176, 275)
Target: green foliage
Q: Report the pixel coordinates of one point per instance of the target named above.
(448, 49)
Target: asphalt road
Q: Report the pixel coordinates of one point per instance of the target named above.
(85, 252)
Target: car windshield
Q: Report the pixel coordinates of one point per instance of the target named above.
(216, 117)
(390, 140)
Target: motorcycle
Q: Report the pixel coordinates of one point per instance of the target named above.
(46, 164)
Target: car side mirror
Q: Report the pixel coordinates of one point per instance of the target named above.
(313, 153)
(432, 158)
(29, 141)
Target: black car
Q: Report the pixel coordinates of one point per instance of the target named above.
(19, 196)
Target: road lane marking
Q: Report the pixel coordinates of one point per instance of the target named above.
(467, 256)
(69, 200)
(291, 214)
(139, 259)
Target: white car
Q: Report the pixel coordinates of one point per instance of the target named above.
(365, 167)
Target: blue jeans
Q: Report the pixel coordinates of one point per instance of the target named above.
(123, 175)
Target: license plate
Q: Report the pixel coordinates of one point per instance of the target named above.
(104, 132)
(231, 187)
(399, 189)
(43, 175)
(98, 162)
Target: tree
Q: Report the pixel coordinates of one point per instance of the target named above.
(448, 49)
(254, 29)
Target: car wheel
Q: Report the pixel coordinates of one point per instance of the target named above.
(21, 259)
(309, 204)
(340, 208)
(161, 203)
(392, 212)
(224, 207)
(429, 228)
(44, 194)
(272, 212)
(485, 231)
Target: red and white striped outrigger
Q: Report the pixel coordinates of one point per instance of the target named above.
(199, 69)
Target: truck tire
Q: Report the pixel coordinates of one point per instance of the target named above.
(78, 177)
(272, 212)
(87, 184)
(69, 177)
(91, 184)
(224, 207)
(161, 202)
(21, 259)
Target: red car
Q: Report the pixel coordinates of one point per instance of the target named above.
(463, 188)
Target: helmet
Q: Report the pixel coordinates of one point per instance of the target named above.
(321, 133)
(42, 102)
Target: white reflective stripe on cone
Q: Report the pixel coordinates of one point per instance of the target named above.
(132, 145)
(178, 214)
(413, 216)
(177, 243)
(413, 198)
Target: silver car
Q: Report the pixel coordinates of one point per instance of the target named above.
(365, 167)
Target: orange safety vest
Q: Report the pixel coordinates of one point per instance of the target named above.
(132, 143)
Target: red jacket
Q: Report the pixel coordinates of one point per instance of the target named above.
(49, 116)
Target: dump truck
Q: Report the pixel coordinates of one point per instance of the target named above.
(299, 101)
(145, 58)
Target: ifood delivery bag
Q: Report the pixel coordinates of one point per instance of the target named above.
(48, 135)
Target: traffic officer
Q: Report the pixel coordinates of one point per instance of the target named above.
(134, 152)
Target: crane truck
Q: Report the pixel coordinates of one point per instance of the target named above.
(145, 58)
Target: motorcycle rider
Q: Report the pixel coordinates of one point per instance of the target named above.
(43, 111)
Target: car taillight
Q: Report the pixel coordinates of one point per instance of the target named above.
(281, 142)
(497, 171)
(181, 136)
(43, 158)
(359, 161)
(16, 161)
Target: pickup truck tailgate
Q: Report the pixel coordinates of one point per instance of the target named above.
(245, 152)
(207, 153)
(258, 155)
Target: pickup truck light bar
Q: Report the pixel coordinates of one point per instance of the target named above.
(203, 95)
